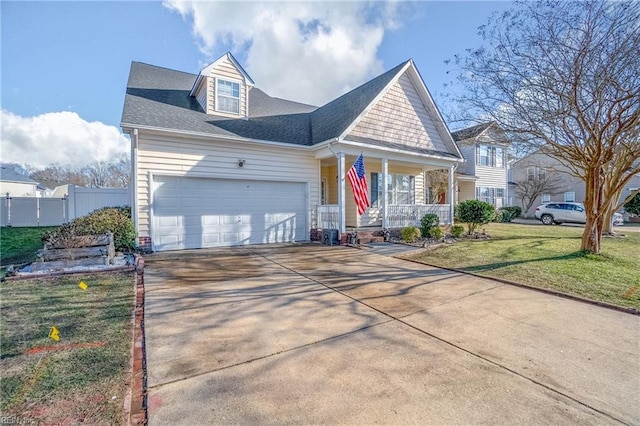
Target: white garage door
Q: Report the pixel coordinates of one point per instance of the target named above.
(199, 212)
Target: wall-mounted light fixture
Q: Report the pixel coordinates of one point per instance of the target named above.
(241, 163)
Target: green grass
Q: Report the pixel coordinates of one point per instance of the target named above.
(549, 257)
(19, 245)
(76, 384)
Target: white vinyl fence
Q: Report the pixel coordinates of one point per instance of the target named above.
(44, 211)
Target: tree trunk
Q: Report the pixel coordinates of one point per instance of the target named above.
(593, 209)
(592, 235)
(526, 206)
(607, 222)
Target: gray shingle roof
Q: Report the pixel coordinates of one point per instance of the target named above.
(470, 132)
(159, 97)
(8, 174)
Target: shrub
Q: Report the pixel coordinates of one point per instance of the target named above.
(436, 232)
(475, 213)
(114, 219)
(428, 221)
(500, 216)
(633, 205)
(457, 231)
(410, 234)
(510, 212)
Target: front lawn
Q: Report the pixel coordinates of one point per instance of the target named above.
(83, 377)
(19, 245)
(549, 257)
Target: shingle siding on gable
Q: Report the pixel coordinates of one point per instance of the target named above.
(400, 116)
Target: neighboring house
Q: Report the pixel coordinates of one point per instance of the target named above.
(218, 162)
(483, 176)
(17, 185)
(564, 187)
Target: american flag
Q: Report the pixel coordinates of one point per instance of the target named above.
(358, 179)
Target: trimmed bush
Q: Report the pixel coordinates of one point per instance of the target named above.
(475, 213)
(510, 212)
(410, 234)
(114, 219)
(500, 216)
(457, 231)
(436, 232)
(429, 221)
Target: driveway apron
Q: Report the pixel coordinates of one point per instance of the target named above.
(314, 334)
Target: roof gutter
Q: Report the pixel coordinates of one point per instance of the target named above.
(203, 135)
(400, 151)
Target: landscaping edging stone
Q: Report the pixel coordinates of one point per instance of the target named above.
(135, 404)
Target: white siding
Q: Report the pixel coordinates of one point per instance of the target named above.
(17, 189)
(401, 117)
(466, 191)
(492, 177)
(468, 151)
(163, 155)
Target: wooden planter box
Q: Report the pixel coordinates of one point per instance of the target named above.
(87, 250)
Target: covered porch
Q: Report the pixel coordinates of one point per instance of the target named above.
(402, 189)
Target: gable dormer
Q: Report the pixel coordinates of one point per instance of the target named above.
(222, 88)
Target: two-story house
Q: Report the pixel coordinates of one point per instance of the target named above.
(556, 182)
(217, 161)
(483, 176)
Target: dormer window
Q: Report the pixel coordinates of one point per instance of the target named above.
(227, 96)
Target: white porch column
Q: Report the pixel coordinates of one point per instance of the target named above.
(385, 201)
(452, 195)
(341, 204)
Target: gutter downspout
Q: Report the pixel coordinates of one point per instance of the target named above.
(133, 184)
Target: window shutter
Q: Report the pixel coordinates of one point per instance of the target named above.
(374, 188)
(412, 189)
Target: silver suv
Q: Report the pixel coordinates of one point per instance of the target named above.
(551, 213)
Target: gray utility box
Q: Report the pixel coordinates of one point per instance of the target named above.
(330, 237)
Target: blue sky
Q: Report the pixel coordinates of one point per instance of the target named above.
(65, 64)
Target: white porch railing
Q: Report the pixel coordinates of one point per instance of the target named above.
(328, 216)
(401, 215)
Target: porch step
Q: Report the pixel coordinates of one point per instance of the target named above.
(366, 236)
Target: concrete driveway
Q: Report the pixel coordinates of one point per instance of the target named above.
(308, 334)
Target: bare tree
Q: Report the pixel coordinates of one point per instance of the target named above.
(529, 189)
(99, 174)
(120, 172)
(564, 77)
(56, 174)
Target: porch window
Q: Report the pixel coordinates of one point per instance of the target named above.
(404, 190)
(401, 189)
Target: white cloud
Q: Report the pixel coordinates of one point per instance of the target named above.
(58, 137)
(305, 51)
